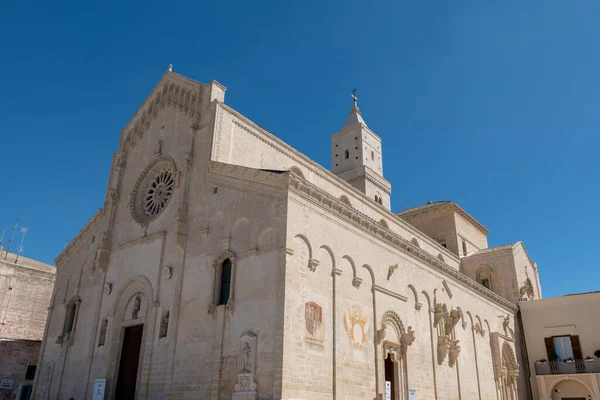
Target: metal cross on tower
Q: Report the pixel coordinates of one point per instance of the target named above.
(354, 96)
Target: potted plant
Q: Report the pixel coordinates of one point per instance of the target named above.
(553, 356)
(588, 358)
(597, 353)
(542, 361)
(569, 360)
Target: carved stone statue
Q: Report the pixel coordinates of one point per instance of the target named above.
(453, 352)
(439, 314)
(164, 326)
(246, 353)
(103, 329)
(442, 348)
(410, 336)
(136, 307)
(245, 388)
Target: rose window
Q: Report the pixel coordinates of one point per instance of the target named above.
(158, 193)
(153, 190)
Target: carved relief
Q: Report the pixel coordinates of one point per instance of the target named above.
(164, 325)
(107, 288)
(313, 264)
(357, 327)
(137, 304)
(442, 348)
(453, 352)
(103, 329)
(445, 321)
(168, 272)
(526, 291)
(391, 270)
(245, 388)
(313, 320)
(506, 326)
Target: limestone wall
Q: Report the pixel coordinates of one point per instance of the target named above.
(25, 291)
(353, 286)
(238, 141)
(16, 356)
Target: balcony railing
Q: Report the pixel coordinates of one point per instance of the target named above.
(560, 367)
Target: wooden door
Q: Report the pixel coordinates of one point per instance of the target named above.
(128, 366)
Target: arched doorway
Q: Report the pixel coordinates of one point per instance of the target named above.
(394, 340)
(510, 372)
(570, 389)
(130, 326)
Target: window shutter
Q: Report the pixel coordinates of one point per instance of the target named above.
(550, 350)
(576, 347)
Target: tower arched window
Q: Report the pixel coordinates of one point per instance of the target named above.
(346, 154)
(484, 277)
(372, 156)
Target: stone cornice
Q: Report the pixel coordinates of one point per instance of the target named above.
(143, 239)
(303, 161)
(372, 227)
(369, 177)
(73, 244)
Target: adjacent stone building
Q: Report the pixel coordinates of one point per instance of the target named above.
(25, 292)
(224, 264)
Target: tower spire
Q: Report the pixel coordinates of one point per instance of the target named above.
(355, 115)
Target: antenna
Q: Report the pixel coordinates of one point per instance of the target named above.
(23, 233)
(66, 242)
(11, 238)
(2, 237)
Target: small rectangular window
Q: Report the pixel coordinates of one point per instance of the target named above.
(30, 374)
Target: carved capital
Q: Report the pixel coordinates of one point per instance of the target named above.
(356, 281)
(312, 264)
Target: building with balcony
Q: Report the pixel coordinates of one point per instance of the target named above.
(562, 338)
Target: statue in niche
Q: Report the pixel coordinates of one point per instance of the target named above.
(164, 326)
(103, 330)
(136, 307)
(245, 387)
(246, 363)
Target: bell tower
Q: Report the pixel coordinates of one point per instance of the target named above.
(356, 157)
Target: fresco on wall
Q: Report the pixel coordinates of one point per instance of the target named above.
(313, 319)
(357, 327)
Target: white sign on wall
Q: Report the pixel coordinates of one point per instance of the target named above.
(388, 390)
(412, 394)
(99, 386)
(6, 383)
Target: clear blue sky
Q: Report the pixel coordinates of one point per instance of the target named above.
(493, 105)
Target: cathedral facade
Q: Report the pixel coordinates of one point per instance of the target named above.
(224, 264)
